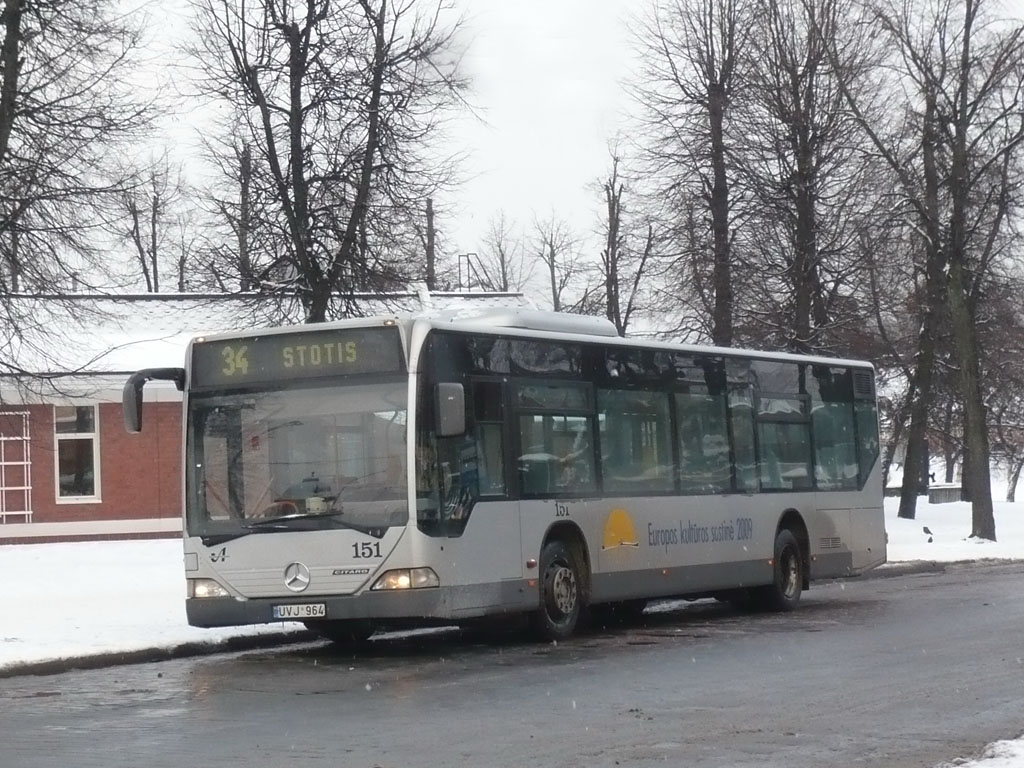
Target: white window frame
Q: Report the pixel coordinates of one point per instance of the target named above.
(95, 435)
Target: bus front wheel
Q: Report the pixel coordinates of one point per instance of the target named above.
(561, 598)
(783, 593)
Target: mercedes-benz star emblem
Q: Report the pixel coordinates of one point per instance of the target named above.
(296, 577)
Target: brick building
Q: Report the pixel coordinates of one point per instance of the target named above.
(68, 468)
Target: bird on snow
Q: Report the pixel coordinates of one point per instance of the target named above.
(928, 533)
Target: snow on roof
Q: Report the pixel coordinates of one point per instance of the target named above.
(99, 335)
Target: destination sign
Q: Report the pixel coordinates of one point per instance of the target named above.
(304, 354)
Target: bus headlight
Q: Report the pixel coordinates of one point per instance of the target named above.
(407, 578)
(200, 588)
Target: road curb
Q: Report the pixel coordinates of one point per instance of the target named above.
(891, 570)
(148, 655)
(912, 567)
(275, 640)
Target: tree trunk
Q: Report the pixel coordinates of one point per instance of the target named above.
(721, 329)
(934, 305)
(350, 241)
(916, 459)
(13, 256)
(611, 255)
(965, 467)
(154, 215)
(319, 296)
(805, 263)
(949, 451)
(976, 449)
(183, 253)
(556, 304)
(140, 247)
(244, 220)
(899, 426)
(1011, 488)
(431, 264)
(10, 66)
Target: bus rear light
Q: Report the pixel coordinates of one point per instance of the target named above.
(407, 578)
(202, 588)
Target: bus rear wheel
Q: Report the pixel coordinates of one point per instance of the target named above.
(343, 632)
(783, 594)
(561, 598)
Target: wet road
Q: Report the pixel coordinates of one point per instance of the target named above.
(904, 671)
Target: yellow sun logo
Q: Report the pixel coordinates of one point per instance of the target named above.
(619, 530)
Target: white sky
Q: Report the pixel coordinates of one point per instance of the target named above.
(547, 79)
(548, 82)
(57, 598)
(547, 89)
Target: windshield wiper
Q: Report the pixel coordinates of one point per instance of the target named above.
(284, 523)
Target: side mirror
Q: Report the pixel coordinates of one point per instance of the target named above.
(131, 397)
(451, 410)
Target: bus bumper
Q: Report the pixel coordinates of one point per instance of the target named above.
(441, 603)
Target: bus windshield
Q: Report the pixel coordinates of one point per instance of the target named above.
(298, 459)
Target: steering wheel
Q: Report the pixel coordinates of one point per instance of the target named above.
(279, 508)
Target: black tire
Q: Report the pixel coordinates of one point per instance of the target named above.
(783, 594)
(343, 632)
(561, 593)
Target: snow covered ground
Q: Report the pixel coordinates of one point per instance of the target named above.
(72, 600)
(80, 599)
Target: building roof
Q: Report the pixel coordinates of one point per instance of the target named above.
(65, 343)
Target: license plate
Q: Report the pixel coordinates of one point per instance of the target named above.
(300, 611)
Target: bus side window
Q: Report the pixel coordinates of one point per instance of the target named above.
(489, 410)
(741, 427)
(784, 440)
(835, 449)
(446, 483)
(703, 441)
(867, 437)
(636, 452)
(557, 454)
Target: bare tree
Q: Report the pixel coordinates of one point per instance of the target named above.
(338, 103)
(685, 280)
(803, 160)
(628, 250)
(692, 53)
(557, 249)
(502, 263)
(430, 246)
(963, 81)
(1001, 332)
(67, 104)
(241, 245)
(157, 224)
(428, 252)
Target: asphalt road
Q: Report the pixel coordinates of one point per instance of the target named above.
(905, 671)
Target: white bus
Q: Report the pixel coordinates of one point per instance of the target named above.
(443, 468)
